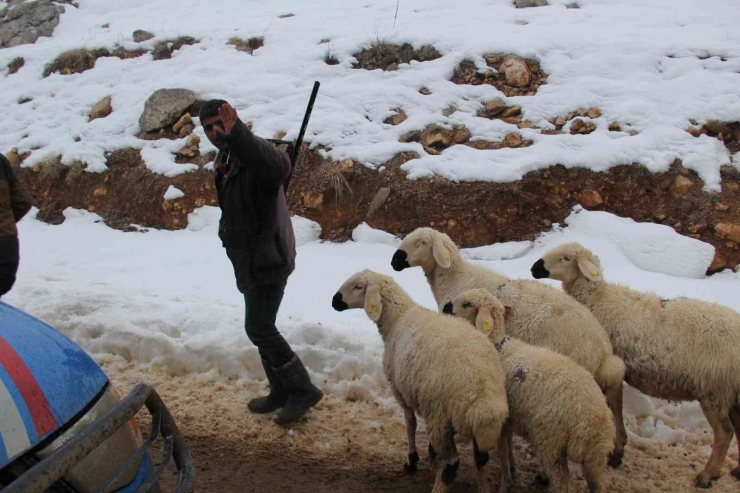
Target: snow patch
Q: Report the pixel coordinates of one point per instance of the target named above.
(173, 193)
(498, 251)
(369, 236)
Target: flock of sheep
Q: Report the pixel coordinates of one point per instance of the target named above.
(519, 356)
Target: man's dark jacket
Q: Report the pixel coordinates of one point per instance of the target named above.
(15, 202)
(255, 226)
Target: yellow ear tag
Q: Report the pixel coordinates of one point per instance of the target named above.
(487, 326)
(593, 272)
(446, 256)
(371, 308)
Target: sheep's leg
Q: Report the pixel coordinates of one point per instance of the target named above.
(593, 469)
(614, 400)
(410, 416)
(735, 418)
(505, 456)
(557, 470)
(510, 446)
(442, 438)
(721, 425)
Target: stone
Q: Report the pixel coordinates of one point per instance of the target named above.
(24, 23)
(437, 137)
(14, 158)
(513, 140)
(280, 134)
(185, 120)
(560, 122)
(346, 165)
(495, 107)
(100, 191)
(547, 223)
(594, 113)
(398, 118)
(719, 206)
(513, 111)
(140, 36)
(186, 130)
(166, 206)
(101, 109)
(15, 65)
(591, 198)
(164, 107)
(461, 135)
(573, 6)
(313, 201)
(526, 125)
(728, 231)
(697, 228)
(588, 128)
(718, 263)
(614, 127)
(516, 72)
(449, 111)
(425, 91)
(576, 126)
(683, 185)
(717, 127)
(431, 151)
(525, 4)
(392, 67)
(732, 186)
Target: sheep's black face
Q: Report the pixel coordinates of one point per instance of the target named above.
(447, 309)
(400, 261)
(538, 270)
(338, 303)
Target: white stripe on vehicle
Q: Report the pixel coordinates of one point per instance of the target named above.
(12, 428)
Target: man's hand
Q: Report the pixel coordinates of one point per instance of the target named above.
(228, 117)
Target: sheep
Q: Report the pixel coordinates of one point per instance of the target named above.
(680, 349)
(455, 384)
(553, 402)
(543, 315)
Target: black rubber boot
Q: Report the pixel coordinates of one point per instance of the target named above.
(302, 394)
(277, 397)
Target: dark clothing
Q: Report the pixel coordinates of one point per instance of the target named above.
(255, 226)
(15, 202)
(262, 305)
(7, 276)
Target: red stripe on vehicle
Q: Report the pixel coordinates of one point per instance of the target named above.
(29, 388)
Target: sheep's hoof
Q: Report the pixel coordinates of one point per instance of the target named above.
(704, 480)
(411, 466)
(615, 458)
(432, 452)
(542, 481)
(736, 472)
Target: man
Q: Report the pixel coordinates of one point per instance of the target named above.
(257, 233)
(15, 202)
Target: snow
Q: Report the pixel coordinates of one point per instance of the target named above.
(173, 193)
(649, 66)
(169, 297)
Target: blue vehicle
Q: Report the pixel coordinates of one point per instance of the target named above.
(64, 428)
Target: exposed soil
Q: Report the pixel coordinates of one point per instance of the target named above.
(165, 48)
(361, 446)
(247, 45)
(78, 61)
(388, 56)
(338, 195)
(467, 73)
(727, 132)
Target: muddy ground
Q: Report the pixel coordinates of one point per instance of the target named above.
(361, 446)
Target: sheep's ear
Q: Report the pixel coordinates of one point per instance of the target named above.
(373, 303)
(484, 321)
(589, 269)
(440, 252)
(508, 312)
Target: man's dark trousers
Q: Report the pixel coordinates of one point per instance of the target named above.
(262, 304)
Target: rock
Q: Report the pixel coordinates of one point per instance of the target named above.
(697, 228)
(728, 231)
(577, 126)
(15, 65)
(185, 120)
(392, 67)
(346, 165)
(732, 186)
(461, 135)
(591, 198)
(547, 223)
(186, 130)
(100, 191)
(718, 263)
(431, 151)
(588, 128)
(682, 185)
(513, 111)
(495, 107)
(164, 107)
(397, 119)
(191, 149)
(594, 113)
(24, 23)
(560, 122)
(200, 202)
(715, 127)
(313, 201)
(285, 16)
(516, 71)
(524, 4)
(614, 127)
(425, 91)
(449, 110)
(437, 137)
(573, 6)
(513, 140)
(14, 158)
(526, 125)
(141, 36)
(582, 112)
(101, 109)
(719, 206)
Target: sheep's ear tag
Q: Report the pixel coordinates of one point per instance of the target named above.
(487, 326)
(372, 308)
(594, 273)
(446, 256)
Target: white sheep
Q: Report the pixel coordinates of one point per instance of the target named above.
(680, 349)
(543, 315)
(554, 403)
(454, 383)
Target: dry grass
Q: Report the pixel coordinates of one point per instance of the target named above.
(15, 65)
(339, 184)
(164, 49)
(248, 45)
(80, 60)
